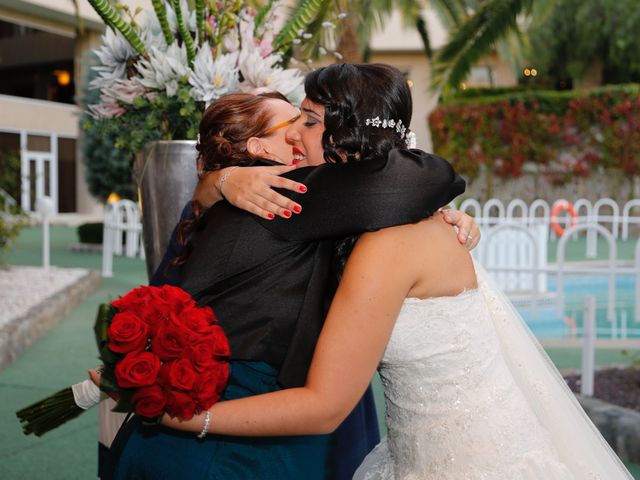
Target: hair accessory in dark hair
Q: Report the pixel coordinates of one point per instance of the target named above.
(402, 131)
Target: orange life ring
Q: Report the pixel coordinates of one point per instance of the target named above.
(559, 207)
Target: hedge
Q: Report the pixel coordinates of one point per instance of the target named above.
(570, 131)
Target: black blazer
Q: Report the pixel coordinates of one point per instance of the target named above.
(270, 282)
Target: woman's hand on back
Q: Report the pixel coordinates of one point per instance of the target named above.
(251, 189)
(468, 230)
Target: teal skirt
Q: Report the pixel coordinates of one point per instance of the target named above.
(158, 453)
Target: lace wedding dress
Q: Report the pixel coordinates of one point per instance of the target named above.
(470, 395)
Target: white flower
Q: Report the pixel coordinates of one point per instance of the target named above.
(114, 53)
(411, 140)
(125, 91)
(231, 41)
(263, 72)
(164, 69)
(210, 79)
(105, 110)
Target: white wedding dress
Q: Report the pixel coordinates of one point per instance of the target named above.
(470, 395)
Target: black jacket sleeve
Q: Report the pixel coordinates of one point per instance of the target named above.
(350, 198)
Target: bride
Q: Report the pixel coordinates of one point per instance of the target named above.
(469, 392)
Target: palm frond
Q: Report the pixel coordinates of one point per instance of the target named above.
(421, 27)
(475, 38)
(304, 13)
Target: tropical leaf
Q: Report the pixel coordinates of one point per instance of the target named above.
(115, 21)
(199, 6)
(262, 13)
(161, 12)
(475, 38)
(304, 13)
(184, 32)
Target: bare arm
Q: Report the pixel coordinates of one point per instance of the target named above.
(251, 189)
(352, 342)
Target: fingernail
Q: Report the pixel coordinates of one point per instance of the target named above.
(448, 218)
(271, 216)
(297, 208)
(463, 237)
(286, 213)
(302, 188)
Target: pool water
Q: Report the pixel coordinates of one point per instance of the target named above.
(546, 323)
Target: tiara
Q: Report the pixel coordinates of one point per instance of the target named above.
(400, 129)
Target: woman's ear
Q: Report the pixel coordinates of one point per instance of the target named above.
(255, 147)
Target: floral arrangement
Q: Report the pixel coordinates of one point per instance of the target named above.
(161, 354)
(155, 76)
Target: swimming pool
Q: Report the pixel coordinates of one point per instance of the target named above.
(546, 323)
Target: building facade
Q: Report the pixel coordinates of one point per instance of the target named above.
(44, 58)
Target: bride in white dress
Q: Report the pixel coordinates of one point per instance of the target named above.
(469, 393)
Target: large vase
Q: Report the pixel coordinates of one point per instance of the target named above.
(166, 176)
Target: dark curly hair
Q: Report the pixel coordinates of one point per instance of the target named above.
(351, 94)
(224, 129)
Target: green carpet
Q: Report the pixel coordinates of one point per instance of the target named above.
(58, 359)
(62, 356)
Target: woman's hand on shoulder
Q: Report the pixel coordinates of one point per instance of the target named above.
(251, 189)
(468, 230)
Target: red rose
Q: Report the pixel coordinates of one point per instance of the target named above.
(209, 386)
(202, 355)
(137, 369)
(149, 401)
(195, 320)
(127, 333)
(218, 340)
(181, 374)
(169, 342)
(175, 297)
(146, 304)
(180, 405)
(131, 299)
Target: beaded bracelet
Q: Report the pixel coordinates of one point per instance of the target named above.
(205, 427)
(223, 178)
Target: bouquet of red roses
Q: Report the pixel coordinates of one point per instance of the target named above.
(161, 353)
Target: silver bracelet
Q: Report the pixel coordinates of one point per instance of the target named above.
(205, 427)
(223, 178)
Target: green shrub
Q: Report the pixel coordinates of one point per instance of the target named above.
(570, 131)
(90, 233)
(10, 226)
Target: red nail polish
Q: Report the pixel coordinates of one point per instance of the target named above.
(302, 188)
(286, 213)
(297, 208)
(271, 216)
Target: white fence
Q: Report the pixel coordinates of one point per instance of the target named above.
(515, 239)
(122, 234)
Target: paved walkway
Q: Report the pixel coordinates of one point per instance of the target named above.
(62, 356)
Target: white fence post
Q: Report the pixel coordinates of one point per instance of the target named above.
(611, 272)
(588, 346)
